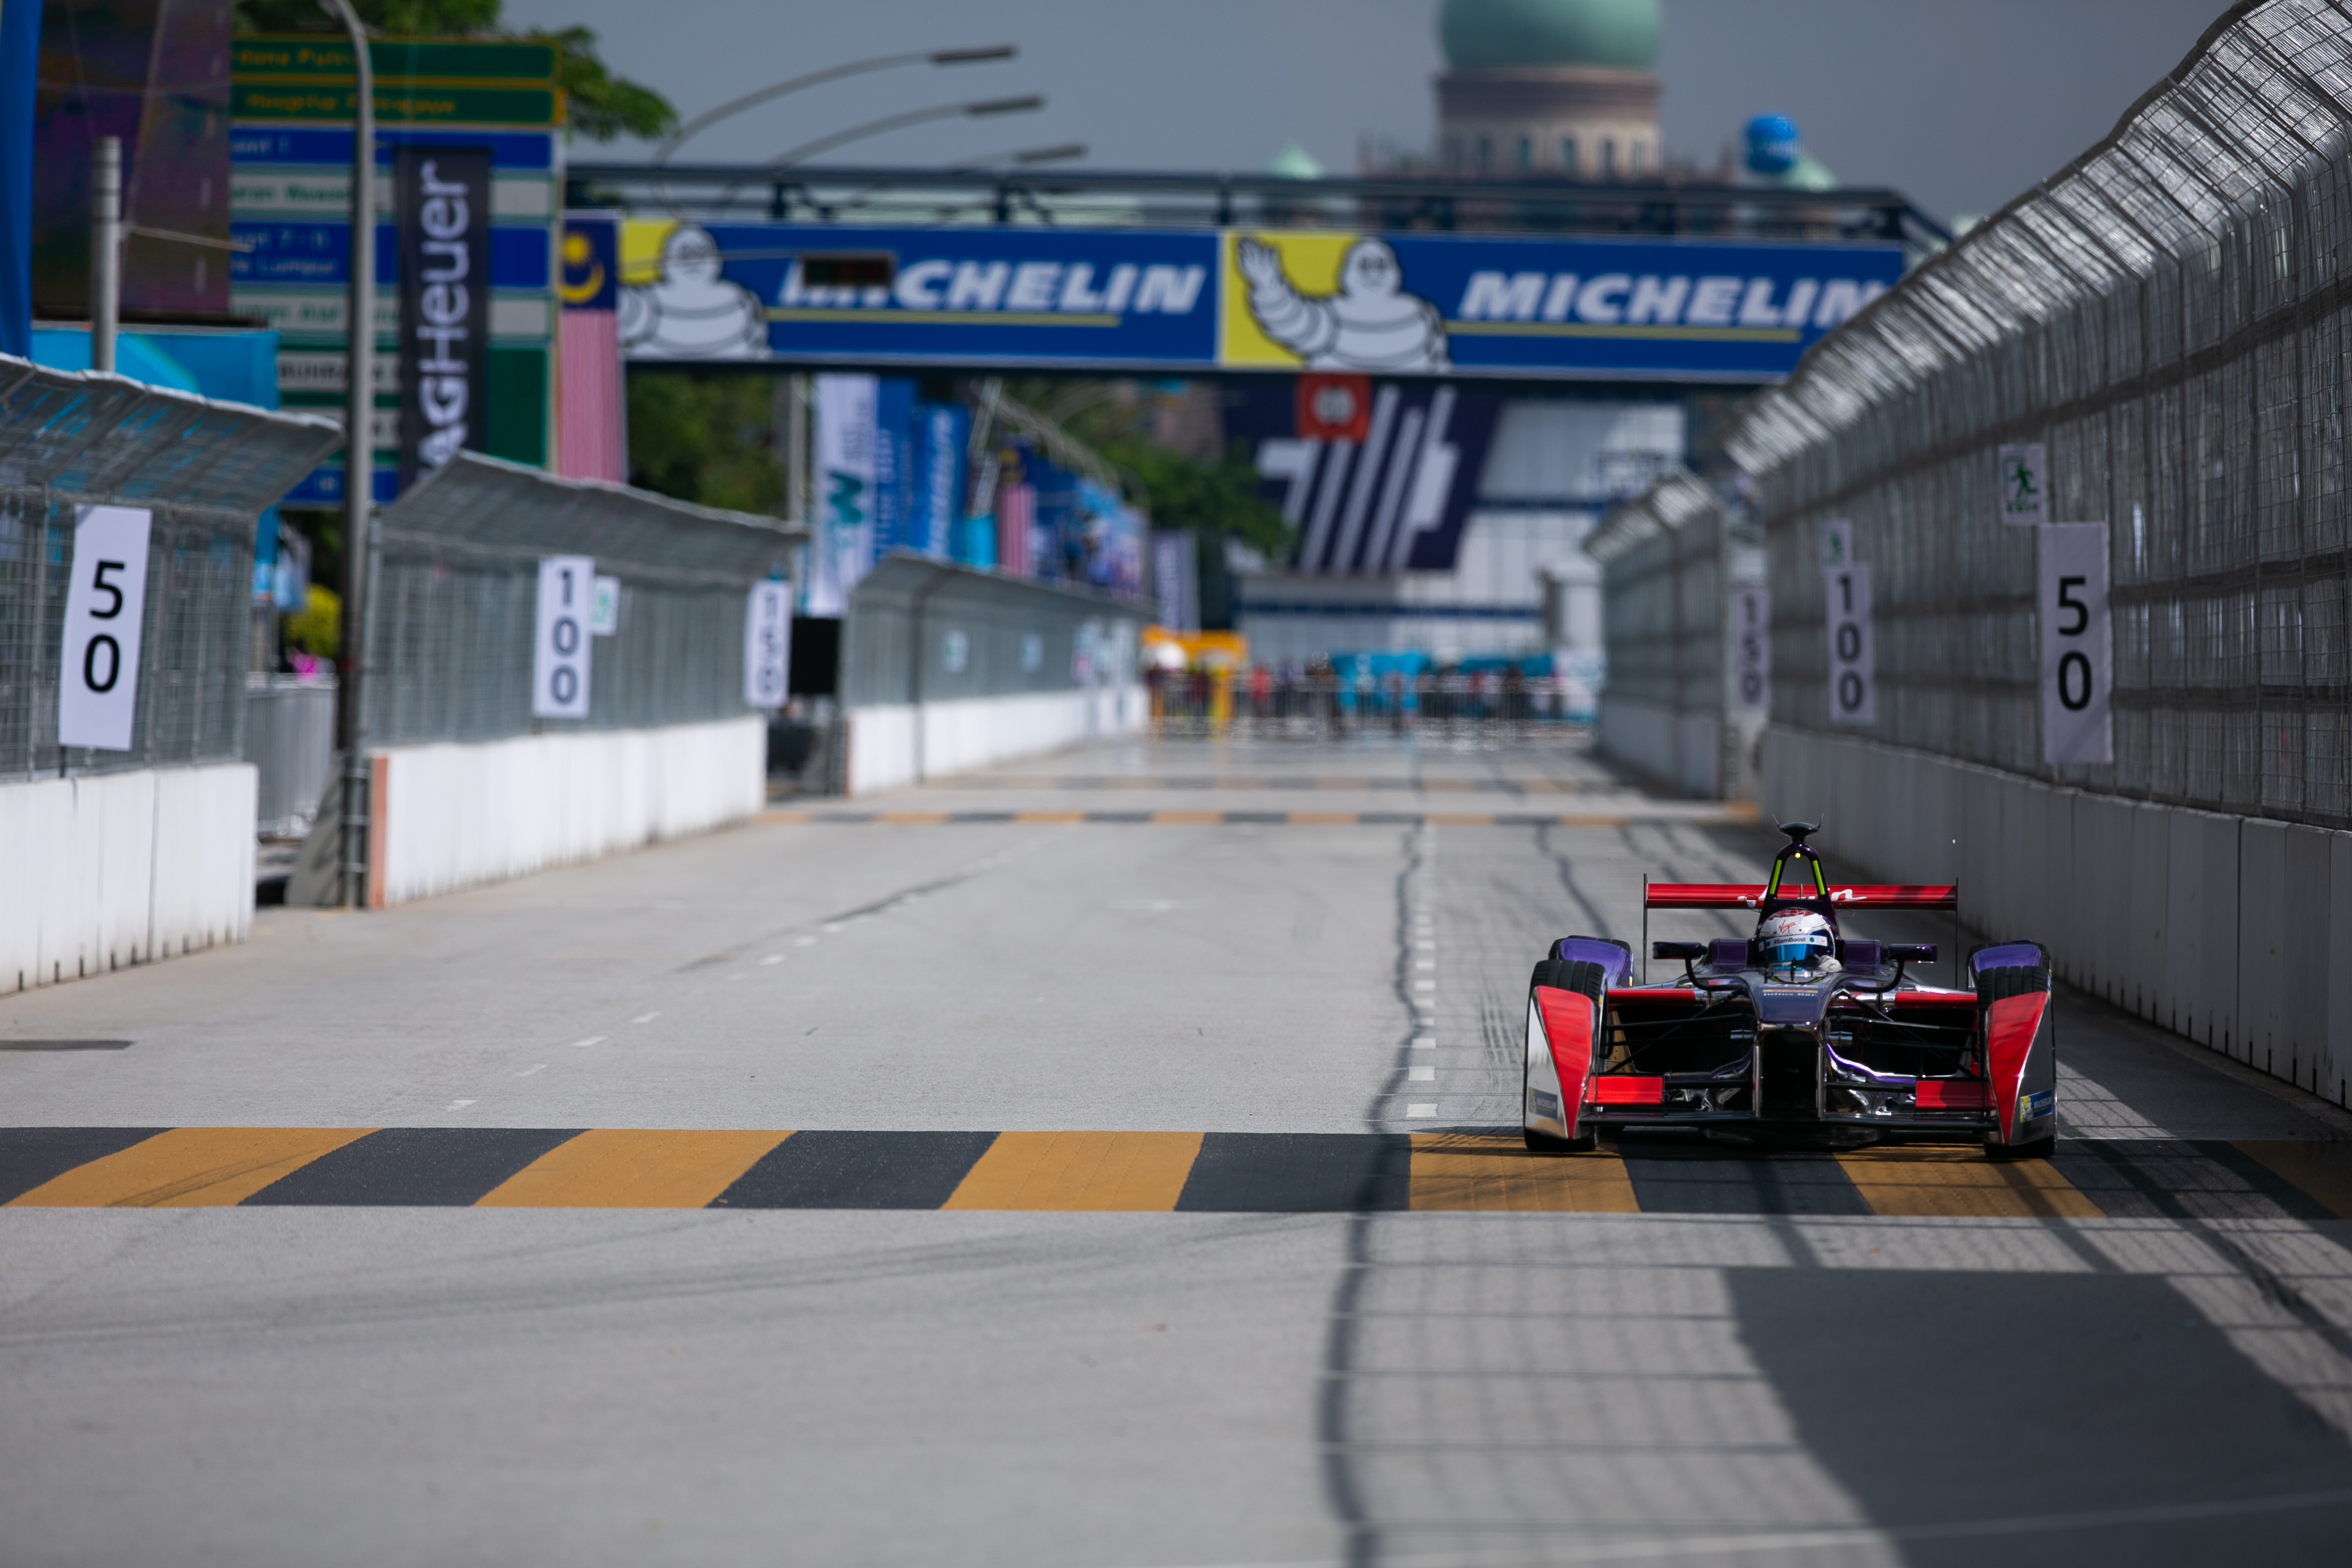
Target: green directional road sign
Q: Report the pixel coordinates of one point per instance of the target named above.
(314, 58)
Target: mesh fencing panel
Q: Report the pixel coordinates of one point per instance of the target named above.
(205, 471)
(453, 603)
(1664, 578)
(2167, 315)
(920, 630)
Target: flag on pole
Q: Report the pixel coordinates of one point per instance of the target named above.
(591, 414)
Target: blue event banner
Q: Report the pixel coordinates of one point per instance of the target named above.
(331, 149)
(316, 254)
(1107, 299)
(1413, 304)
(1610, 308)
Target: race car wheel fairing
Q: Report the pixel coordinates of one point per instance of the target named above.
(1563, 1015)
(2020, 1045)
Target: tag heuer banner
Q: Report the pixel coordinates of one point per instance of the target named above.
(444, 203)
(1406, 304)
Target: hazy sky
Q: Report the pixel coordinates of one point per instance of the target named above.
(1960, 105)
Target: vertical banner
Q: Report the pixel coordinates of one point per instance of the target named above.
(844, 546)
(941, 432)
(1853, 695)
(106, 603)
(444, 206)
(894, 466)
(768, 645)
(2077, 645)
(558, 665)
(20, 47)
(591, 435)
(2024, 485)
(1751, 650)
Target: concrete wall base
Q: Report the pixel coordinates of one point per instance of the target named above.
(1684, 750)
(893, 744)
(112, 869)
(456, 816)
(2228, 929)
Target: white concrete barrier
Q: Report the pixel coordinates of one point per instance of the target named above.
(108, 869)
(1684, 750)
(451, 816)
(2228, 929)
(893, 744)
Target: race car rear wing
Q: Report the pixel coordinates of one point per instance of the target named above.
(1741, 896)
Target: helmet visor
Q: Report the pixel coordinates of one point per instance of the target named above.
(1794, 949)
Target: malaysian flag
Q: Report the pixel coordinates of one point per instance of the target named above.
(1016, 523)
(590, 439)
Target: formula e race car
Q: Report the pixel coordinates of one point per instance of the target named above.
(1798, 1034)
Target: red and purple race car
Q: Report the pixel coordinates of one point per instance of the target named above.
(1798, 1033)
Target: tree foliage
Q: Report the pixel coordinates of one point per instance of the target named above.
(1214, 498)
(602, 105)
(705, 439)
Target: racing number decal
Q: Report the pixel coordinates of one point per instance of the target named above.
(560, 662)
(2077, 645)
(1751, 650)
(106, 603)
(1853, 696)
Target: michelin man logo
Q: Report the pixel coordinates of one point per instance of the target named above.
(1371, 323)
(689, 312)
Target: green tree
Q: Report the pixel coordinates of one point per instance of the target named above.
(602, 105)
(705, 439)
(1213, 498)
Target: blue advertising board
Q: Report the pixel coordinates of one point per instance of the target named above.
(1278, 300)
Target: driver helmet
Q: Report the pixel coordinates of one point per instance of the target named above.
(1794, 937)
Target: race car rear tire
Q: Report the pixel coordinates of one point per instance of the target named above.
(1537, 1142)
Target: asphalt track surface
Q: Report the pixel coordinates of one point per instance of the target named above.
(1108, 1163)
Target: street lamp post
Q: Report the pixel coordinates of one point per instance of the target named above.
(359, 410)
(981, 110)
(710, 117)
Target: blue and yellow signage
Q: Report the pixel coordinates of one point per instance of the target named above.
(1282, 300)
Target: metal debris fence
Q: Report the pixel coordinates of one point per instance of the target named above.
(2168, 313)
(206, 471)
(924, 631)
(454, 575)
(1669, 562)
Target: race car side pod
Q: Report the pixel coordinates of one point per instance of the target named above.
(1564, 999)
(2020, 1044)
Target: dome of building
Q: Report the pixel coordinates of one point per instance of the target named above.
(1294, 162)
(1618, 35)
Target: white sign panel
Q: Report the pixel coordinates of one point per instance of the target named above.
(1853, 695)
(558, 665)
(845, 438)
(604, 607)
(1836, 541)
(2077, 645)
(106, 603)
(2024, 485)
(1751, 650)
(768, 645)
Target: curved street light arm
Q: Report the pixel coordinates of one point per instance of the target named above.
(980, 110)
(710, 117)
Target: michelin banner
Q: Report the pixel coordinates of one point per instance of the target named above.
(1278, 300)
